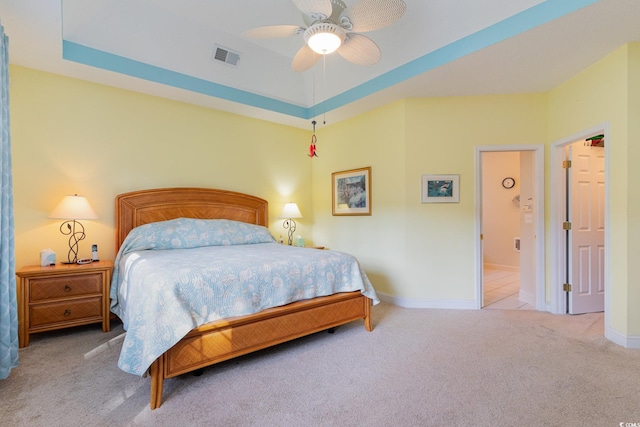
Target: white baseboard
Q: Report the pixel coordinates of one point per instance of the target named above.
(527, 297)
(427, 303)
(626, 341)
(501, 267)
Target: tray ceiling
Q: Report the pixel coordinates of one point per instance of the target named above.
(438, 48)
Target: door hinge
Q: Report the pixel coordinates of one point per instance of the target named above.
(481, 236)
(566, 225)
(566, 164)
(566, 287)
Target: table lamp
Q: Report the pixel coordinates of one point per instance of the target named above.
(73, 208)
(289, 212)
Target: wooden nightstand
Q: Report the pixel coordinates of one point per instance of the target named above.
(62, 296)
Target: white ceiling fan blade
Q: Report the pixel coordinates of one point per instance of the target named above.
(360, 50)
(369, 15)
(314, 7)
(304, 59)
(273, 31)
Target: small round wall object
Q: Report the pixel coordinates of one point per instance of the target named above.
(508, 182)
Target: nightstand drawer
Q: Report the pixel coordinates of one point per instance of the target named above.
(65, 311)
(65, 286)
(62, 296)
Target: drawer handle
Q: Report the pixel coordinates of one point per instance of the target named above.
(67, 312)
(67, 288)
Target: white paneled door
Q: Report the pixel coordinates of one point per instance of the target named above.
(586, 213)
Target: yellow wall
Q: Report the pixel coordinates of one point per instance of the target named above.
(609, 92)
(633, 195)
(71, 136)
(374, 139)
(414, 250)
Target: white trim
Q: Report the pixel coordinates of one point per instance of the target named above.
(502, 267)
(626, 341)
(527, 297)
(558, 196)
(426, 303)
(538, 190)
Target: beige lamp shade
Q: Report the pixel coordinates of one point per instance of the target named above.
(74, 207)
(290, 210)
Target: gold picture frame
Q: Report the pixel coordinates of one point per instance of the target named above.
(351, 192)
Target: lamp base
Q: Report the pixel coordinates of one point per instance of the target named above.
(290, 224)
(68, 228)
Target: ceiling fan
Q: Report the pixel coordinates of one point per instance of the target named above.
(331, 27)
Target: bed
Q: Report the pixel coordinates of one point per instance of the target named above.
(212, 338)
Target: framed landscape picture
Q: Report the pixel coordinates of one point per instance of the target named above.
(440, 188)
(351, 192)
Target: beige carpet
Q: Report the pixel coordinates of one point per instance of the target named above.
(418, 367)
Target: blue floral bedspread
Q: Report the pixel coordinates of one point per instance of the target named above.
(173, 276)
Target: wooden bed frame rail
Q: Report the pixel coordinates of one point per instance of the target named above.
(228, 338)
(224, 340)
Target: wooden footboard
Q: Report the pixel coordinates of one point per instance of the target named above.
(229, 338)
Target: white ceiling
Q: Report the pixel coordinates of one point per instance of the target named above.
(438, 48)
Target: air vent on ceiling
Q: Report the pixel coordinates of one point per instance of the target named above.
(225, 55)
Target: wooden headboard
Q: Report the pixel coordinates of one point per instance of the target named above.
(145, 206)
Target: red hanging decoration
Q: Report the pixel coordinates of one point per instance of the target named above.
(596, 141)
(312, 147)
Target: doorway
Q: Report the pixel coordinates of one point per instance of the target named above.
(584, 238)
(528, 203)
(571, 257)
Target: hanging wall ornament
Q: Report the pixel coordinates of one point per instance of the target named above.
(312, 147)
(595, 141)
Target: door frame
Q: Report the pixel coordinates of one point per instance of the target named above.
(538, 194)
(558, 211)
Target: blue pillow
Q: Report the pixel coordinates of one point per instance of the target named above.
(184, 233)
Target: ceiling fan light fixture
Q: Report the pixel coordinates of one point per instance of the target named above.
(324, 43)
(324, 38)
